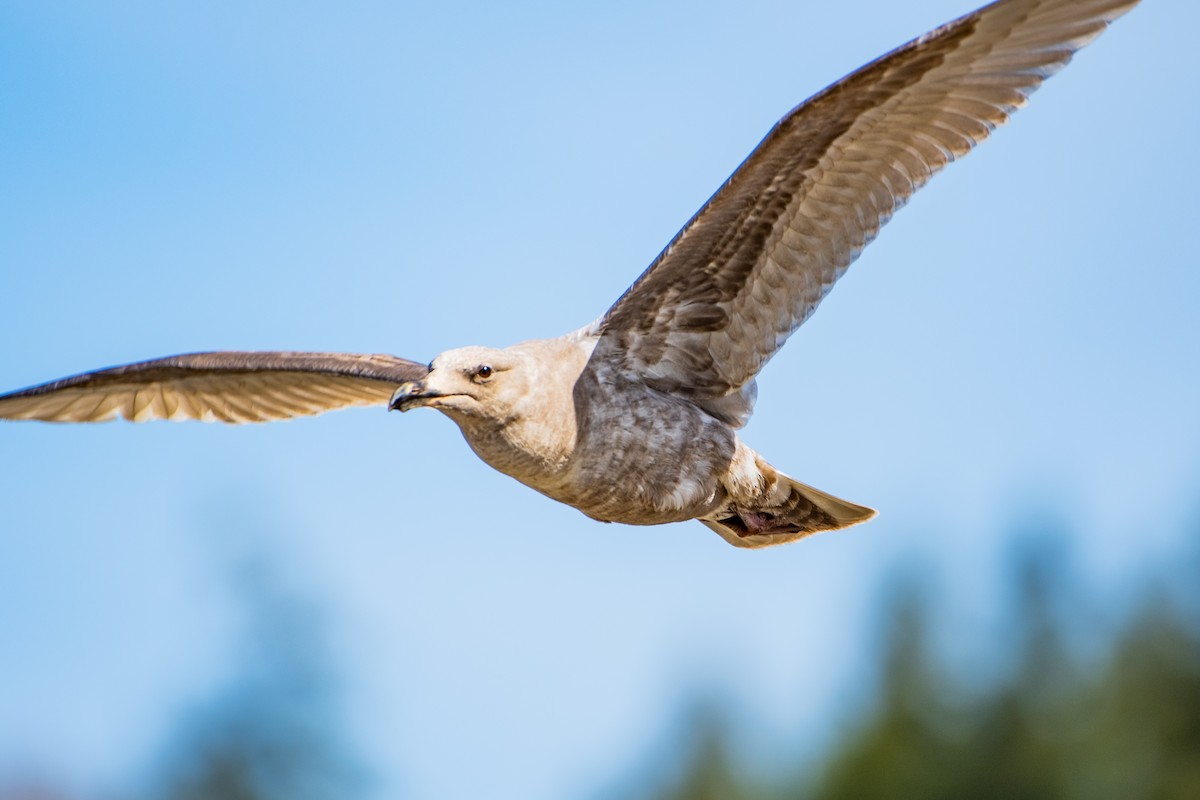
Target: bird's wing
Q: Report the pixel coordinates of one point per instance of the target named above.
(756, 260)
(226, 387)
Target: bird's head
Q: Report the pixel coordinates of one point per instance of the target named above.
(470, 383)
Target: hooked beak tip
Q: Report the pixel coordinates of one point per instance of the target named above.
(403, 394)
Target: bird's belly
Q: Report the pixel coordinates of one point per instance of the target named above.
(656, 461)
(639, 502)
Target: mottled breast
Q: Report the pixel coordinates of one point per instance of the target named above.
(642, 457)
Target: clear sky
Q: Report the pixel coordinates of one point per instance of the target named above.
(1022, 341)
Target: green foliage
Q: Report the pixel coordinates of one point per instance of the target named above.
(1123, 723)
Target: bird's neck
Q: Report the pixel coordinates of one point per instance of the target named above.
(536, 445)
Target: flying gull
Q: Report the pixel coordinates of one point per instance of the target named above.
(633, 418)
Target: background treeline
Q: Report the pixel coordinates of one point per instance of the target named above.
(1085, 693)
(1087, 701)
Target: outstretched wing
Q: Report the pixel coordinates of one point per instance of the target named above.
(756, 260)
(226, 387)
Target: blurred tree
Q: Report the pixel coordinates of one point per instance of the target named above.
(1143, 731)
(1123, 725)
(273, 733)
(710, 772)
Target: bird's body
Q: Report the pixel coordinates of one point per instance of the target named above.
(634, 418)
(670, 455)
(577, 430)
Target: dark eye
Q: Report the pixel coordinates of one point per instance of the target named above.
(484, 372)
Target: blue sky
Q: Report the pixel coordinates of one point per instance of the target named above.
(1021, 341)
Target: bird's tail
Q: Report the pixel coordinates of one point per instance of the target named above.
(788, 510)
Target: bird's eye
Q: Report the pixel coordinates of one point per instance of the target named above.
(484, 372)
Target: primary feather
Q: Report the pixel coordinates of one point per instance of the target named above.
(752, 265)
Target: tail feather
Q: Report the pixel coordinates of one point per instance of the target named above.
(802, 512)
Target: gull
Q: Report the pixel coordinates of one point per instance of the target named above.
(634, 417)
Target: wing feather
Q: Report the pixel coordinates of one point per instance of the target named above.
(761, 254)
(229, 387)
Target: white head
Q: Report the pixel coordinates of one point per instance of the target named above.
(470, 385)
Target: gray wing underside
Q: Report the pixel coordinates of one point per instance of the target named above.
(230, 387)
(756, 260)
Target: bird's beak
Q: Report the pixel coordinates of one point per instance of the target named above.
(408, 395)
